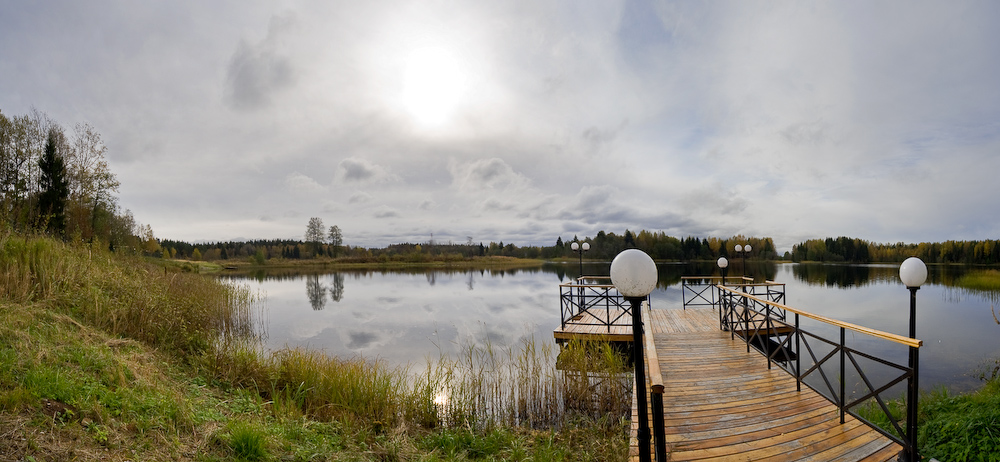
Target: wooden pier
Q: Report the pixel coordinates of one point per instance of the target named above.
(707, 366)
(722, 403)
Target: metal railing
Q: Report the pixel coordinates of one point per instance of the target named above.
(700, 291)
(762, 324)
(593, 304)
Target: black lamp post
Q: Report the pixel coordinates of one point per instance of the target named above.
(913, 273)
(634, 275)
(745, 250)
(580, 249)
(723, 264)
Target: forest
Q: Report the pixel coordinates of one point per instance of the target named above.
(853, 250)
(603, 246)
(59, 182)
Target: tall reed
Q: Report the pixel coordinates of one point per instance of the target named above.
(124, 295)
(526, 385)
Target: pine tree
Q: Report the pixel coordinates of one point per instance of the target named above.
(629, 240)
(54, 186)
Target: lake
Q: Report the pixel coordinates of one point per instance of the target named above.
(414, 316)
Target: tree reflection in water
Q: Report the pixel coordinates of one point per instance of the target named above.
(316, 292)
(337, 287)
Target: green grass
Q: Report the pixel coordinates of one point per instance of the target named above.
(982, 280)
(959, 428)
(246, 441)
(111, 357)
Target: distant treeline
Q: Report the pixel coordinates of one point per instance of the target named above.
(853, 250)
(603, 246)
(59, 183)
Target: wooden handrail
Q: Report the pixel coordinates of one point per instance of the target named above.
(745, 278)
(910, 342)
(652, 361)
(599, 286)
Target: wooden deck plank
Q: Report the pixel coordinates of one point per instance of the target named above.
(723, 403)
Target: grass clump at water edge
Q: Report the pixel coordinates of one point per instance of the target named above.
(107, 357)
(959, 428)
(983, 280)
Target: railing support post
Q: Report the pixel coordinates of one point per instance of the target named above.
(722, 307)
(563, 302)
(798, 355)
(843, 379)
(659, 433)
(746, 321)
(731, 317)
(766, 340)
(607, 308)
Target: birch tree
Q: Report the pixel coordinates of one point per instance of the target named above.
(314, 233)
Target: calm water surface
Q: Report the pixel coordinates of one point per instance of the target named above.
(414, 316)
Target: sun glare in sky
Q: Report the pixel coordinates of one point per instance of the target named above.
(433, 86)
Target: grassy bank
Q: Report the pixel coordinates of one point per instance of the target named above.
(958, 428)
(108, 357)
(963, 427)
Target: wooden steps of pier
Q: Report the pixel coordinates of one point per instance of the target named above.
(722, 403)
(586, 326)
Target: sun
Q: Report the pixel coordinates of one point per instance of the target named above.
(434, 85)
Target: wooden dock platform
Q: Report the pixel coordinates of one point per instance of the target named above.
(722, 403)
(587, 327)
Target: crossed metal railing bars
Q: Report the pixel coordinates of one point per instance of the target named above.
(700, 291)
(762, 324)
(603, 303)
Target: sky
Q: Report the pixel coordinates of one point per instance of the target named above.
(525, 121)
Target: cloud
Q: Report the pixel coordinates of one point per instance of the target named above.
(353, 169)
(257, 72)
(303, 184)
(483, 174)
(359, 197)
(385, 211)
(360, 340)
(599, 141)
(790, 120)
